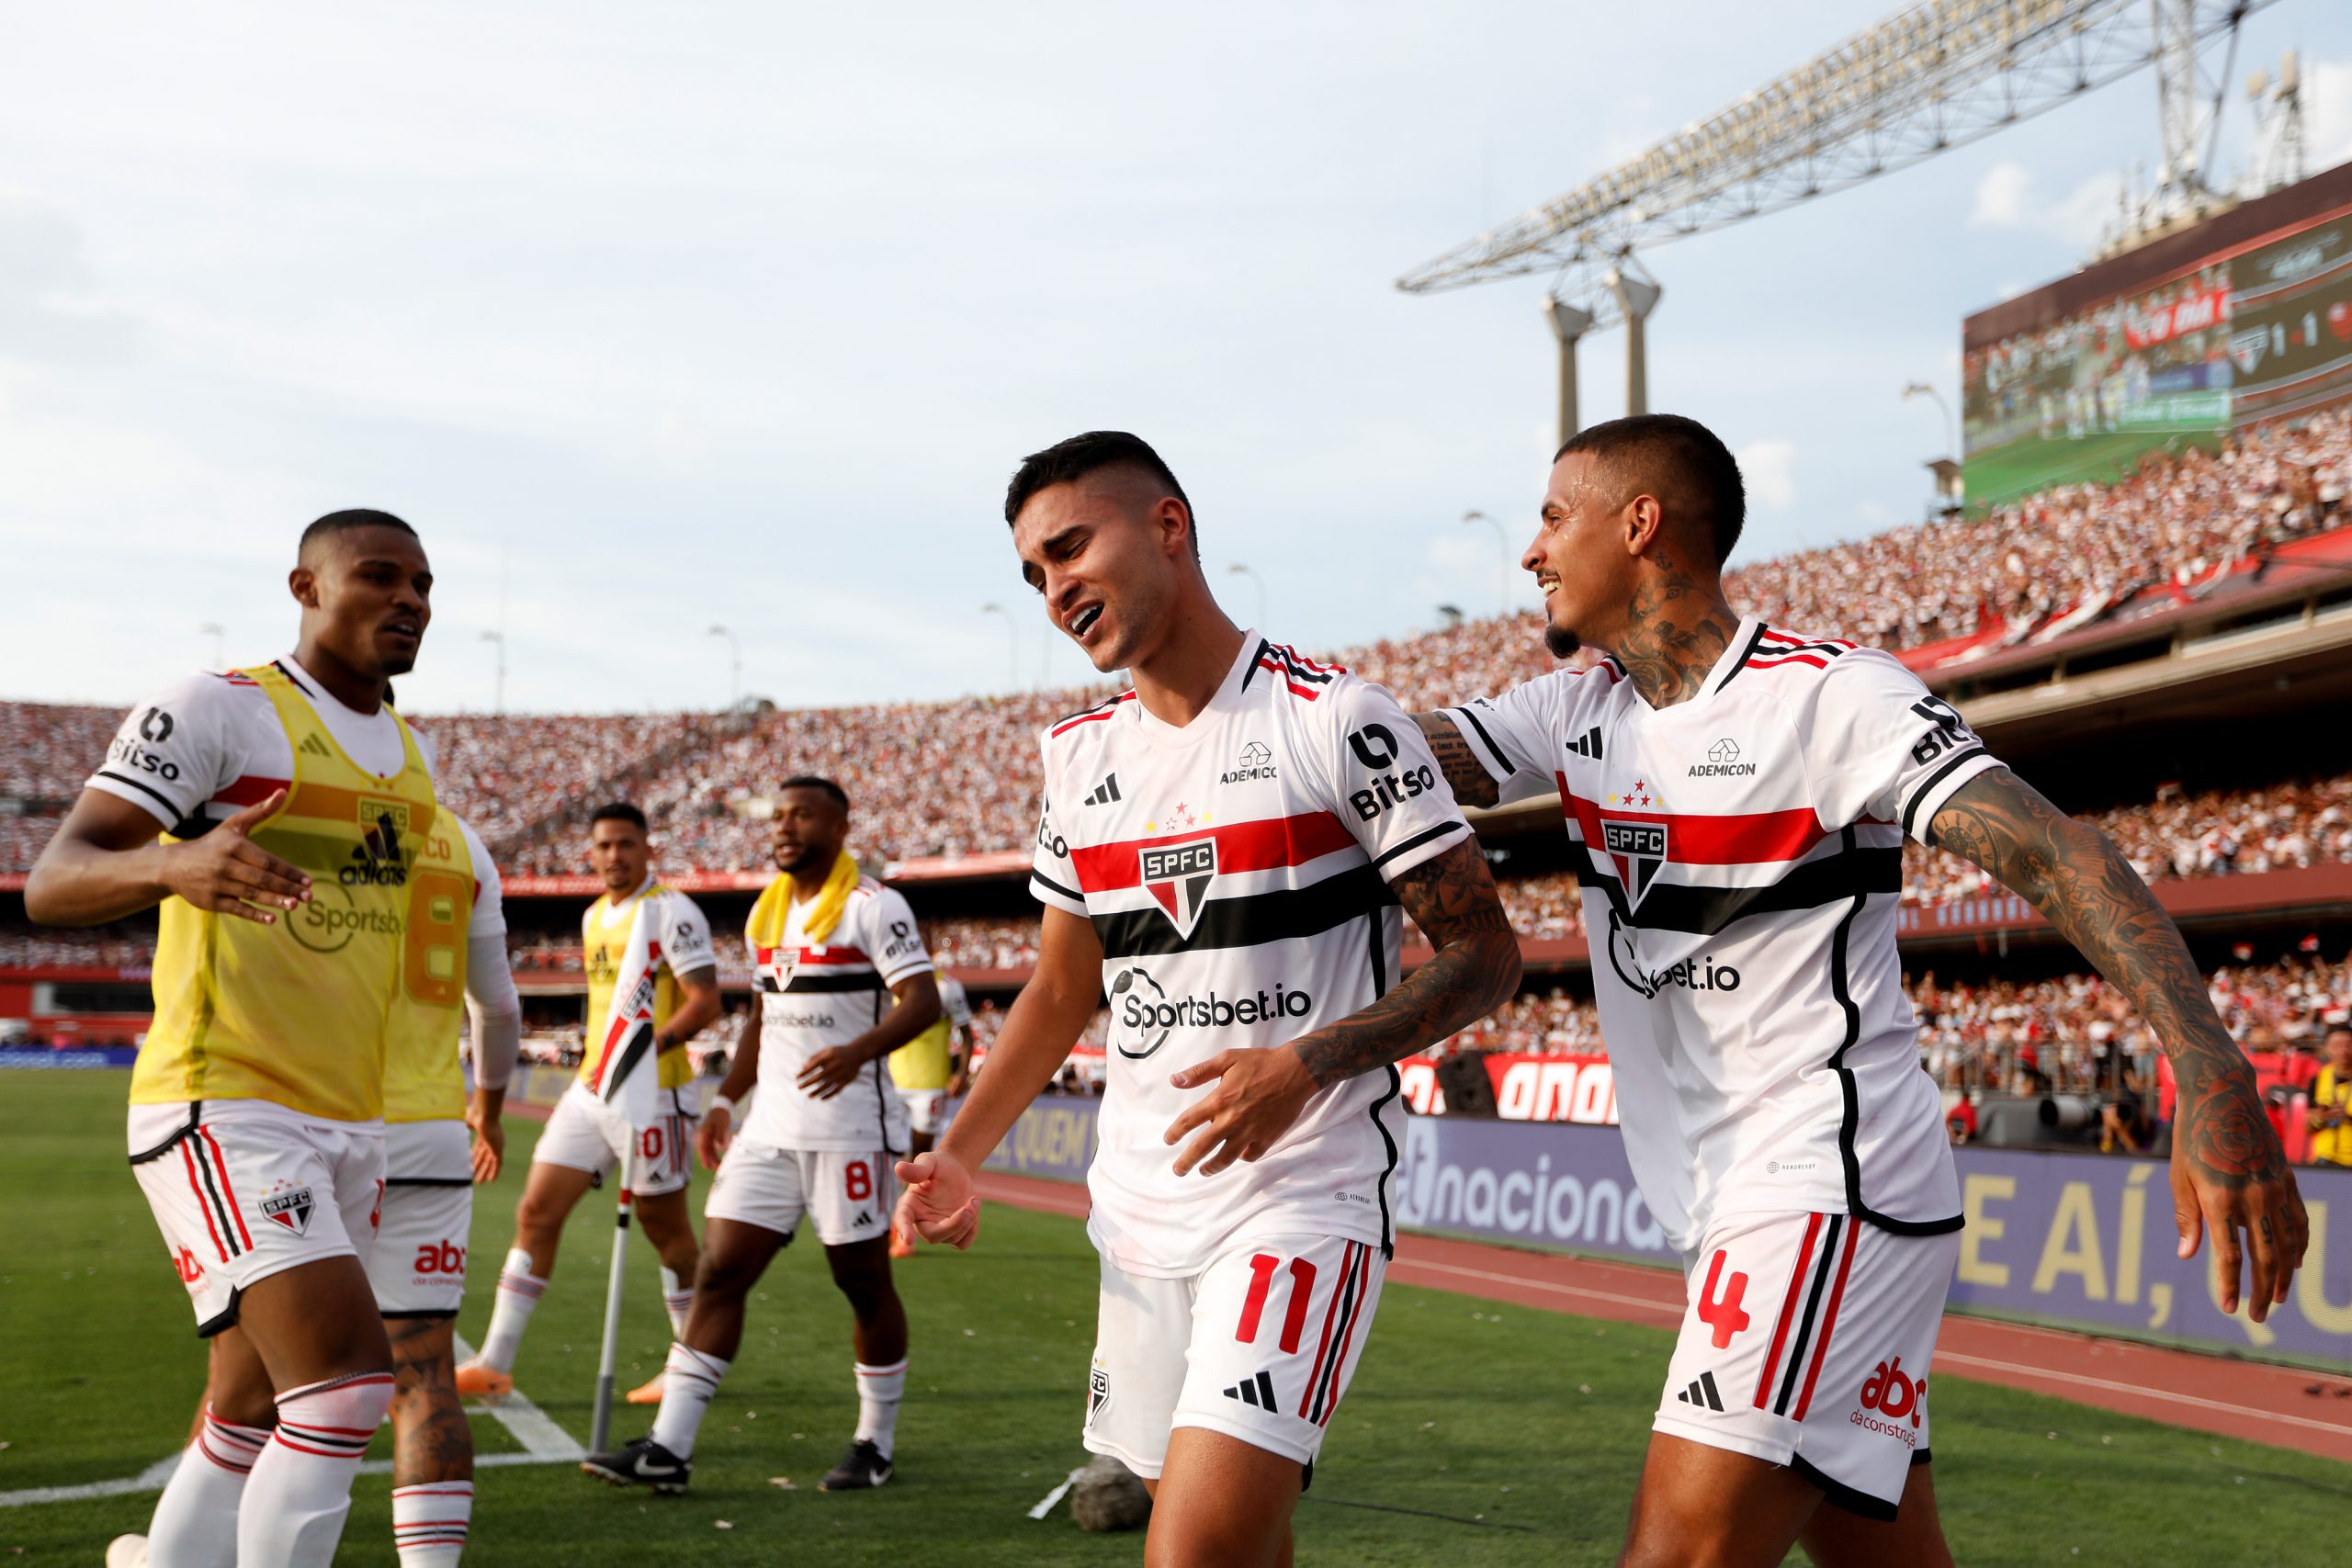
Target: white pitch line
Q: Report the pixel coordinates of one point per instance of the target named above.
(543, 1442)
(1045, 1503)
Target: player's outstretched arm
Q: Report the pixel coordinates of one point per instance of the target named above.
(2229, 1172)
(1465, 774)
(105, 862)
(1045, 1021)
(1473, 971)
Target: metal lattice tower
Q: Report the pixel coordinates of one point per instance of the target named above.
(1937, 76)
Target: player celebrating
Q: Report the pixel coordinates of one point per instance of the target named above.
(1221, 852)
(585, 1137)
(301, 877)
(1738, 796)
(827, 946)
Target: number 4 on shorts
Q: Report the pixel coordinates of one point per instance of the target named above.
(1722, 1313)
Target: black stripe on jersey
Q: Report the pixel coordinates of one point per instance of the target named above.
(279, 665)
(1744, 655)
(1387, 1226)
(1486, 739)
(1251, 673)
(1071, 894)
(1812, 1303)
(870, 981)
(1330, 1372)
(210, 1190)
(1783, 649)
(1249, 921)
(1415, 842)
(194, 1109)
(1911, 811)
(1838, 987)
(1082, 712)
(428, 1182)
(1851, 873)
(143, 789)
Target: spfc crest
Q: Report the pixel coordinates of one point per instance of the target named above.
(1178, 877)
(1098, 1391)
(1638, 849)
(290, 1207)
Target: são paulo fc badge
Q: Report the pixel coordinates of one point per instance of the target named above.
(1639, 848)
(1098, 1390)
(1178, 877)
(288, 1206)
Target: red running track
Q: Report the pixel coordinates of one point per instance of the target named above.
(2207, 1393)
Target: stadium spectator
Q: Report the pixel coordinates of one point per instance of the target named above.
(2330, 1116)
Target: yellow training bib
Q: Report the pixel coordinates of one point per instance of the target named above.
(300, 1012)
(603, 942)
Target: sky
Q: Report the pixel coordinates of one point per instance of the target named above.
(653, 319)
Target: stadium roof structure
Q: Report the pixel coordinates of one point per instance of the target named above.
(1939, 75)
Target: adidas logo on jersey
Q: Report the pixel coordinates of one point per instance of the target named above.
(1258, 1391)
(1588, 744)
(315, 747)
(864, 1217)
(1104, 793)
(1702, 1392)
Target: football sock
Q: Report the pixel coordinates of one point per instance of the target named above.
(301, 1487)
(690, 1379)
(878, 1391)
(518, 1294)
(676, 1299)
(430, 1520)
(196, 1520)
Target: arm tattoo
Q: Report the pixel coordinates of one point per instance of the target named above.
(2084, 885)
(1472, 785)
(1476, 970)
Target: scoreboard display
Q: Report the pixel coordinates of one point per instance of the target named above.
(2245, 318)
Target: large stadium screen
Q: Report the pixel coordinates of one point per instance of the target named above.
(2245, 318)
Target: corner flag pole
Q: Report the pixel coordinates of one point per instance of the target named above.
(600, 1423)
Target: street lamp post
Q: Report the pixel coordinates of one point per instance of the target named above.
(498, 700)
(1011, 643)
(735, 664)
(1951, 425)
(1238, 569)
(1502, 544)
(216, 631)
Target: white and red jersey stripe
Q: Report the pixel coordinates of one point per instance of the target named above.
(1740, 855)
(1236, 870)
(816, 996)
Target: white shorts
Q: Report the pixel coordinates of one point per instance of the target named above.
(418, 1267)
(1260, 1346)
(244, 1188)
(584, 1134)
(1807, 1343)
(848, 1195)
(924, 1106)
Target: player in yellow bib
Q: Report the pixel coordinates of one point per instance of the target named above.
(586, 1138)
(283, 818)
(927, 1070)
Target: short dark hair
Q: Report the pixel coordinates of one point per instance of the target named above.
(618, 811)
(1643, 443)
(826, 788)
(1082, 455)
(335, 523)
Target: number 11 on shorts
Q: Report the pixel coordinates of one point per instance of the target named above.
(1261, 1280)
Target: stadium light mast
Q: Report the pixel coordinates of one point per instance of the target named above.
(1939, 75)
(216, 631)
(1951, 425)
(1011, 644)
(1238, 569)
(498, 691)
(1570, 325)
(735, 666)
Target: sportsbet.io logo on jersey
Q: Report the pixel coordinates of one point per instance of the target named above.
(1142, 1015)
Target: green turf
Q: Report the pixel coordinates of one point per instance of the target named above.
(1499, 1417)
(2028, 463)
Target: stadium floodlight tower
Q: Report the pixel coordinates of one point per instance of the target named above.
(1928, 79)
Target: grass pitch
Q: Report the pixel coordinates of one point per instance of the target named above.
(1475, 1433)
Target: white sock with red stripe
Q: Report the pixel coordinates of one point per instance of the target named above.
(879, 1389)
(510, 1314)
(675, 1299)
(196, 1520)
(301, 1487)
(689, 1381)
(430, 1520)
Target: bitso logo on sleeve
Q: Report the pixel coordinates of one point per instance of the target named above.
(1178, 877)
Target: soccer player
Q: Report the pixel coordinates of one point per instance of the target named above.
(585, 1138)
(418, 1267)
(1737, 795)
(1223, 851)
(299, 874)
(929, 1069)
(843, 981)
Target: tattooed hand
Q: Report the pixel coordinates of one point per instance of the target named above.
(2229, 1173)
(1259, 1093)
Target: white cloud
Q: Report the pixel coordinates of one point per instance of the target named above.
(1769, 467)
(2001, 197)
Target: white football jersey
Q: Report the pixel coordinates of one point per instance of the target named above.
(814, 997)
(1237, 871)
(1740, 855)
